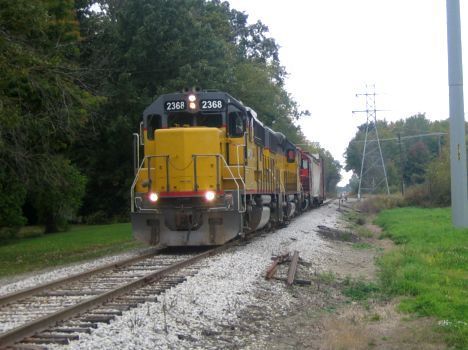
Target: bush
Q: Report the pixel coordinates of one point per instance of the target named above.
(7, 233)
(418, 196)
(97, 218)
(58, 197)
(435, 192)
(361, 220)
(438, 179)
(377, 203)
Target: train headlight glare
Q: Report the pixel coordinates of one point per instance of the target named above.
(192, 98)
(192, 105)
(153, 197)
(210, 195)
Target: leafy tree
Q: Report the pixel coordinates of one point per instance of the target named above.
(332, 172)
(423, 160)
(59, 195)
(438, 178)
(415, 155)
(44, 105)
(418, 157)
(136, 50)
(12, 196)
(75, 81)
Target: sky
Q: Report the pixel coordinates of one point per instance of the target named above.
(334, 49)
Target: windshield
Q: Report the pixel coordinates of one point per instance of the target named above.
(179, 119)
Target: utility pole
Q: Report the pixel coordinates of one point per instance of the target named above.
(373, 174)
(459, 178)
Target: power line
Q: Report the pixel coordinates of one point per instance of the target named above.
(403, 137)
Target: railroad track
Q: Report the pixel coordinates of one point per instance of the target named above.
(57, 312)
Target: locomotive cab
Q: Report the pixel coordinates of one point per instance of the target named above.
(187, 189)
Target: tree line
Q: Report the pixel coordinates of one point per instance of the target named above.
(76, 76)
(416, 156)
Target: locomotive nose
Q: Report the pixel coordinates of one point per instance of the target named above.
(192, 164)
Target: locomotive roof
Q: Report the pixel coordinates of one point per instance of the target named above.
(158, 105)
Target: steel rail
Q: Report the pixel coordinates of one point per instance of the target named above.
(11, 297)
(43, 323)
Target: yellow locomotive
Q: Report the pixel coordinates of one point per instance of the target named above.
(211, 171)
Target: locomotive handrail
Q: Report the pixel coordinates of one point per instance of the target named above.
(281, 182)
(238, 165)
(195, 182)
(132, 189)
(150, 182)
(136, 152)
(244, 209)
(238, 171)
(218, 176)
(240, 208)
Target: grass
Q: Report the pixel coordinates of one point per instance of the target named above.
(359, 290)
(357, 223)
(80, 243)
(327, 277)
(429, 268)
(362, 245)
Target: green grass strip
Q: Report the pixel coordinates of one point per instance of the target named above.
(78, 244)
(429, 267)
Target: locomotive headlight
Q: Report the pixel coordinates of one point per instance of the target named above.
(192, 98)
(210, 195)
(192, 105)
(153, 197)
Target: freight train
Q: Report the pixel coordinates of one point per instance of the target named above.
(211, 171)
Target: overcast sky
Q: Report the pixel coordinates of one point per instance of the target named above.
(333, 49)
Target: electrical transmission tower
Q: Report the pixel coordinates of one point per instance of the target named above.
(373, 176)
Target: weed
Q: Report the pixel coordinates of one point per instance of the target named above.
(330, 309)
(135, 321)
(364, 232)
(347, 281)
(361, 220)
(327, 277)
(360, 290)
(366, 305)
(362, 245)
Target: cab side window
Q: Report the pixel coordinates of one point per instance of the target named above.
(290, 156)
(236, 125)
(153, 122)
